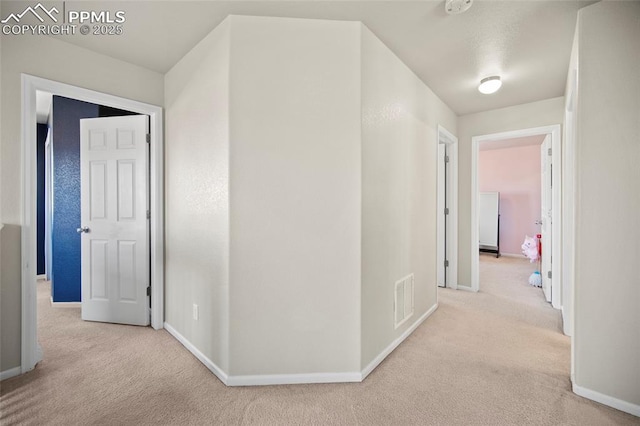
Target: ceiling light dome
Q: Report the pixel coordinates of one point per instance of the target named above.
(455, 7)
(490, 85)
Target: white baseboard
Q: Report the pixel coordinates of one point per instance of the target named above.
(42, 277)
(616, 403)
(377, 360)
(290, 379)
(65, 304)
(262, 380)
(519, 256)
(196, 352)
(466, 288)
(12, 372)
(294, 379)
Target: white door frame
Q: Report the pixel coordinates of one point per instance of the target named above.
(48, 211)
(568, 209)
(31, 353)
(556, 227)
(451, 142)
(546, 231)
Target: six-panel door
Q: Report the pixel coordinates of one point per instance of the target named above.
(115, 229)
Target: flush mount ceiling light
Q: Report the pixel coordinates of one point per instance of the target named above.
(490, 85)
(455, 7)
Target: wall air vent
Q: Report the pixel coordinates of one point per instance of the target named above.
(403, 300)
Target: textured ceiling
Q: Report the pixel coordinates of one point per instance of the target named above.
(528, 43)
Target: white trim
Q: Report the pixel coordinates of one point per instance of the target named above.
(28, 238)
(41, 277)
(65, 304)
(196, 352)
(31, 84)
(556, 221)
(519, 256)
(382, 355)
(447, 138)
(618, 404)
(452, 242)
(441, 217)
(568, 206)
(556, 146)
(261, 380)
(291, 379)
(12, 372)
(294, 379)
(48, 199)
(467, 288)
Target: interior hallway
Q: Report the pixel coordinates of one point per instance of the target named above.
(495, 357)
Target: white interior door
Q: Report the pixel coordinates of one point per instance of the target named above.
(48, 204)
(546, 215)
(114, 213)
(441, 216)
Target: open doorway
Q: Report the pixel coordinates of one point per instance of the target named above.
(31, 86)
(549, 156)
(509, 194)
(509, 212)
(59, 191)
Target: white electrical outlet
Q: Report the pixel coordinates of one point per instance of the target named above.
(195, 312)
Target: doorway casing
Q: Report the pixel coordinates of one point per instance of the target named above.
(556, 149)
(30, 351)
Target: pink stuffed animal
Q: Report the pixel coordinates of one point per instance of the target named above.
(530, 248)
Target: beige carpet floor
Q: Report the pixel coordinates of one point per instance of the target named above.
(492, 358)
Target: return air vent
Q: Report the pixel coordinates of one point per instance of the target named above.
(403, 300)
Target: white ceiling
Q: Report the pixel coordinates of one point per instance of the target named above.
(527, 42)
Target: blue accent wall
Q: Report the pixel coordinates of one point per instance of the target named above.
(65, 273)
(40, 149)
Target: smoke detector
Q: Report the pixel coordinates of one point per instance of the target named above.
(456, 7)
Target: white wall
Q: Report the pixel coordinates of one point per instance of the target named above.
(55, 60)
(607, 281)
(569, 195)
(264, 184)
(535, 114)
(330, 143)
(295, 196)
(197, 195)
(400, 115)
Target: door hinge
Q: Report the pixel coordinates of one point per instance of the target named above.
(446, 263)
(446, 158)
(549, 274)
(148, 138)
(149, 291)
(446, 210)
(148, 214)
(549, 151)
